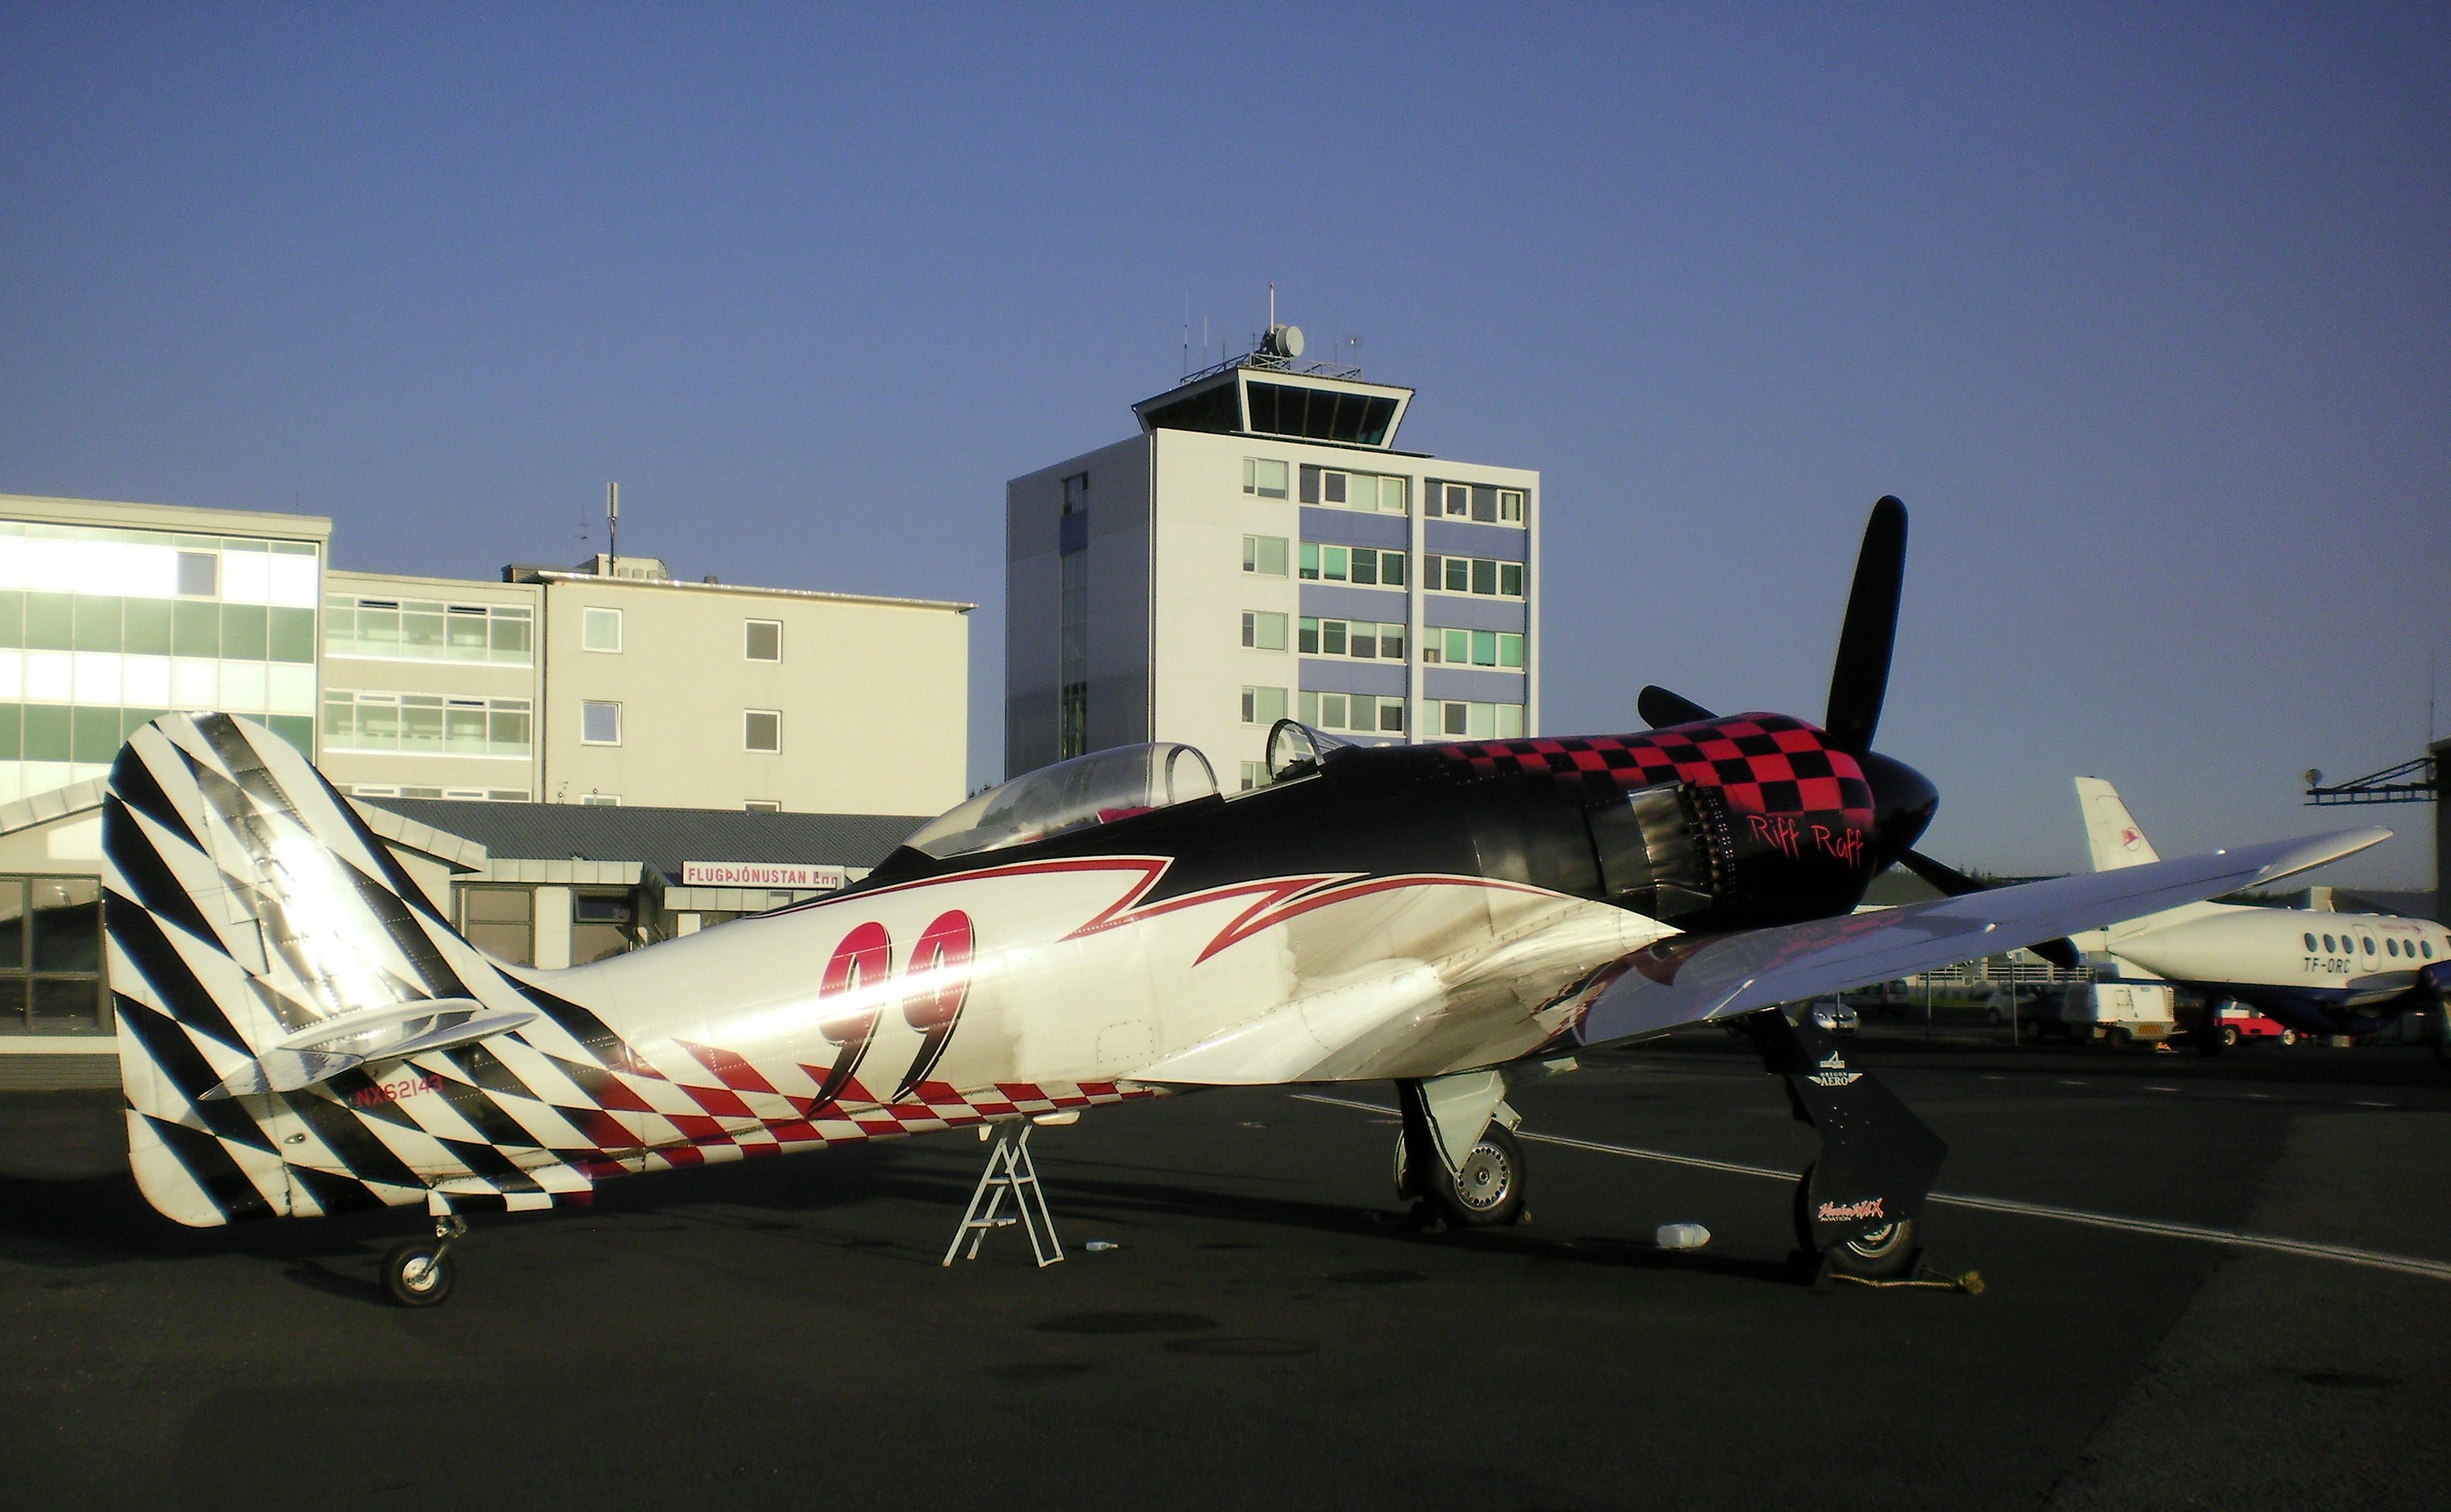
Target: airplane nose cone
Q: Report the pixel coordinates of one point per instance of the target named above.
(1904, 801)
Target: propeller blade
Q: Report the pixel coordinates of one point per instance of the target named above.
(1954, 883)
(1860, 678)
(1660, 708)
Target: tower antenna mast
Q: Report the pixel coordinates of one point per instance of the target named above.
(613, 530)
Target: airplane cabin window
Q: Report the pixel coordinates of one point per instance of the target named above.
(2367, 940)
(2310, 943)
(2427, 946)
(2327, 943)
(2391, 947)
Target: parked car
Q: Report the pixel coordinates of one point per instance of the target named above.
(2240, 1025)
(1833, 1015)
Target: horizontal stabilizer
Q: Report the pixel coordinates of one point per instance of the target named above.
(332, 1046)
(1665, 986)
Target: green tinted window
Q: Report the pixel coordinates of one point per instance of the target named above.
(97, 623)
(12, 617)
(132, 720)
(295, 728)
(195, 629)
(244, 630)
(293, 635)
(147, 623)
(47, 732)
(510, 637)
(96, 734)
(10, 719)
(51, 621)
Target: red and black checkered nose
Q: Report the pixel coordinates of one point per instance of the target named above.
(1904, 801)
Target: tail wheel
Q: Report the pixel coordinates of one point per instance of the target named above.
(418, 1273)
(2229, 1035)
(1485, 1192)
(1876, 1254)
(2288, 1036)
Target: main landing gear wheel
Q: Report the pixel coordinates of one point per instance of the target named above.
(1488, 1191)
(1877, 1254)
(418, 1273)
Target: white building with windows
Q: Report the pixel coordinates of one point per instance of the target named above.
(1262, 549)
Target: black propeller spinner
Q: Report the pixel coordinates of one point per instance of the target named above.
(1903, 799)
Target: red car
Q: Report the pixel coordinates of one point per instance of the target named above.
(2245, 1026)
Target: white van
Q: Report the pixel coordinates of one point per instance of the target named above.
(2118, 1013)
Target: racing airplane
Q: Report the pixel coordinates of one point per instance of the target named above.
(2317, 973)
(302, 1032)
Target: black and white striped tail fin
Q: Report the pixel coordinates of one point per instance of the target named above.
(280, 978)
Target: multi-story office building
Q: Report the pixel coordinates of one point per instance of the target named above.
(1262, 549)
(602, 686)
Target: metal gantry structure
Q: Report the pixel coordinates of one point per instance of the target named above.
(2415, 781)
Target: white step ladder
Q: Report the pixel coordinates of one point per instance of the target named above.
(1010, 1172)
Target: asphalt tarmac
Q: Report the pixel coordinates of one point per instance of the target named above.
(1267, 1332)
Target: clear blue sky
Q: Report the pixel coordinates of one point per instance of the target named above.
(2144, 315)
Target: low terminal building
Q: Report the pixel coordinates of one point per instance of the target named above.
(536, 884)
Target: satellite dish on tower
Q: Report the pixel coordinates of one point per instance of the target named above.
(1282, 341)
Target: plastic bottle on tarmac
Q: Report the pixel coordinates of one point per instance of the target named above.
(1682, 1236)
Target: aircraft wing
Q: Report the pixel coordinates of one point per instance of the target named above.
(1666, 986)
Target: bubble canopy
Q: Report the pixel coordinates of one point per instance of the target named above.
(1095, 789)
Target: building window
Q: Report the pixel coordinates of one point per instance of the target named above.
(762, 730)
(1262, 705)
(765, 640)
(501, 921)
(1363, 639)
(1361, 713)
(763, 806)
(1077, 492)
(599, 800)
(1474, 575)
(199, 575)
(1510, 506)
(426, 630)
(1473, 648)
(1255, 774)
(1265, 555)
(1263, 478)
(50, 956)
(600, 723)
(1355, 564)
(1371, 492)
(1263, 630)
(602, 924)
(1072, 659)
(1480, 721)
(427, 724)
(1455, 500)
(600, 630)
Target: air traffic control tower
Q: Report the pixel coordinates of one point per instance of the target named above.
(1262, 549)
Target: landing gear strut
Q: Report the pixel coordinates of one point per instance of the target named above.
(1458, 1156)
(418, 1273)
(1856, 1205)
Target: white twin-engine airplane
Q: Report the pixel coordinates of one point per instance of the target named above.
(301, 1032)
(2319, 973)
